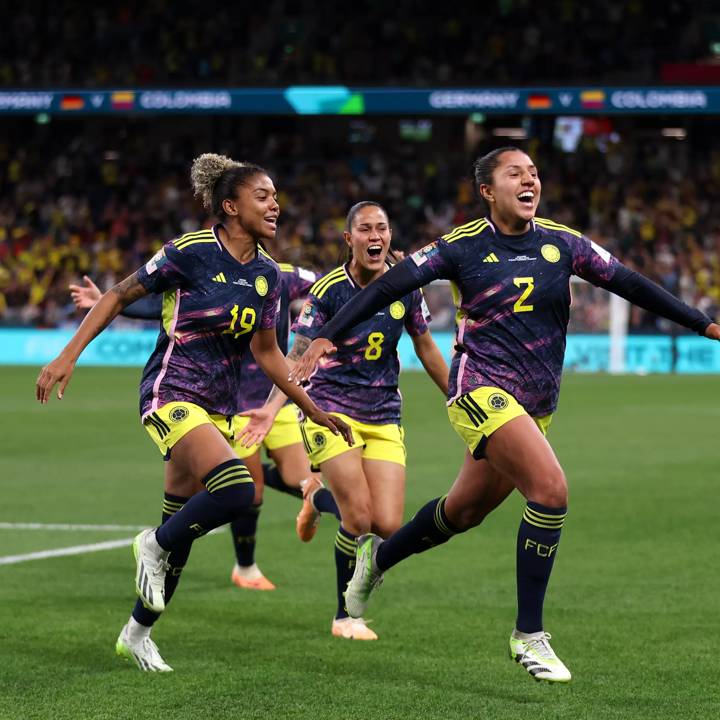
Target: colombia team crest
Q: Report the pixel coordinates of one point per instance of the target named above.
(550, 253)
(179, 413)
(397, 310)
(261, 285)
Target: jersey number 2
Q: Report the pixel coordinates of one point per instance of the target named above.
(529, 284)
(247, 321)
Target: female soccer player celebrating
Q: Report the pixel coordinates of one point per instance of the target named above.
(361, 387)
(512, 272)
(221, 293)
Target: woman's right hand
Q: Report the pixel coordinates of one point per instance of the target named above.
(334, 424)
(305, 365)
(60, 371)
(86, 295)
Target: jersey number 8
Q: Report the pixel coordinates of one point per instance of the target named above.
(374, 349)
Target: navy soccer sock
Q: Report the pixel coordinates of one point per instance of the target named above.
(429, 527)
(345, 547)
(176, 560)
(537, 542)
(273, 479)
(244, 529)
(229, 489)
(324, 502)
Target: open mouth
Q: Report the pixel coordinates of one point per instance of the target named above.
(526, 198)
(272, 219)
(375, 251)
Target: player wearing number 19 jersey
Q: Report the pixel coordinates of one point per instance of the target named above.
(511, 273)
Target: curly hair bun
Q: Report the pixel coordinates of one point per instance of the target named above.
(206, 171)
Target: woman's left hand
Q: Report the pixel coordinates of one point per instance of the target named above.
(261, 421)
(713, 331)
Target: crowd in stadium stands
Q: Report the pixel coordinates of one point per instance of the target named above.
(150, 43)
(69, 207)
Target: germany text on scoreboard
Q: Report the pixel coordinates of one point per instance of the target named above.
(341, 100)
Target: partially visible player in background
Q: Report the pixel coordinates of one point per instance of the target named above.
(360, 386)
(291, 473)
(192, 384)
(512, 271)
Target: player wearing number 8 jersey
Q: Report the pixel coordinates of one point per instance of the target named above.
(360, 386)
(511, 272)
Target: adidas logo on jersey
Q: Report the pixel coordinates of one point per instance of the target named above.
(220, 277)
(492, 257)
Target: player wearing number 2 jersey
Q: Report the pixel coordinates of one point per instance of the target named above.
(511, 272)
(361, 387)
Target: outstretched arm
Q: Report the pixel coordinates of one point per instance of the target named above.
(397, 282)
(146, 308)
(267, 353)
(644, 293)
(100, 316)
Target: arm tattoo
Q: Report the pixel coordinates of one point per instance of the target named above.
(300, 345)
(129, 290)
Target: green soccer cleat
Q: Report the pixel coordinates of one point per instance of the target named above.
(151, 566)
(142, 651)
(367, 576)
(534, 653)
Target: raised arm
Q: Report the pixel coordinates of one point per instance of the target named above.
(100, 316)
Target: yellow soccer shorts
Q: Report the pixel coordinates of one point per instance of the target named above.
(168, 424)
(476, 415)
(285, 431)
(378, 442)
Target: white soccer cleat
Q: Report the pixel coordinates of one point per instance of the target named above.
(367, 576)
(151, 566)
(142, 651)
(352, 629)
(534, 653)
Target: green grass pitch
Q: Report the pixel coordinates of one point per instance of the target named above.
(632, 605)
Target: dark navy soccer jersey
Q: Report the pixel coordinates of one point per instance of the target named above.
(212, 306)
(361, 379)
(295, 282)
(513, 296)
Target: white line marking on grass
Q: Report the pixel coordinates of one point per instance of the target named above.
(60, 552)
(66, 526)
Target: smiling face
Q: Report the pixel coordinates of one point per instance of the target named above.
(369, 238)
(255, 206)
(514, 193)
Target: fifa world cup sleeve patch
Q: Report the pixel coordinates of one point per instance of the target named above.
(156, 261)
(424, 254)
(307, 315)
